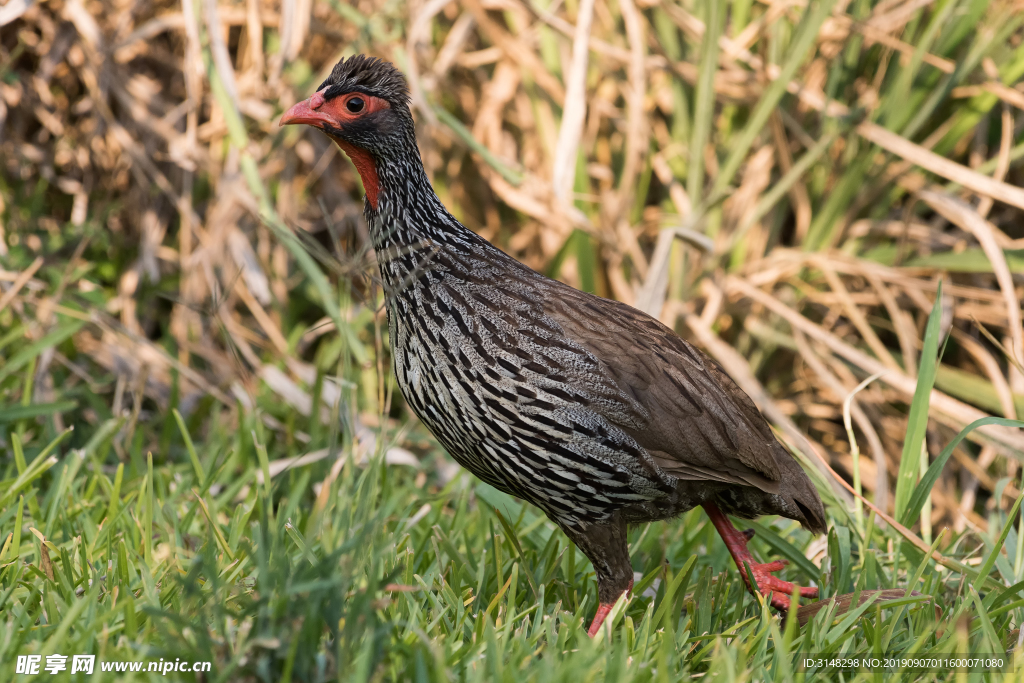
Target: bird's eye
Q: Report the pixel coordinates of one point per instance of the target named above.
(355, 105)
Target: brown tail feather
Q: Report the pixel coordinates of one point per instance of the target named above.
(800, 495)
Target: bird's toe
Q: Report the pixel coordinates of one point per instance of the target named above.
(779, 589)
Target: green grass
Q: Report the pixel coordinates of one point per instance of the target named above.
(182, 553)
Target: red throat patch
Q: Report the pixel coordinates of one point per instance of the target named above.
(364, 163)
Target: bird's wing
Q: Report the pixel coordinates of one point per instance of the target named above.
(693, 419)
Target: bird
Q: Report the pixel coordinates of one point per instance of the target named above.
(587, 408)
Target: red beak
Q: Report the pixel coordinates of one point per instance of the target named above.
(304, 113)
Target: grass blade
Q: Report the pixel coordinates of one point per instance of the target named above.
(924, 487)
(704, 106)
(917, 421)
(806, 35)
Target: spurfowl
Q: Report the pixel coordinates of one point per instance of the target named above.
(587, 408)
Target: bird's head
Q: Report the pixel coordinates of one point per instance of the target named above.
(364, 107)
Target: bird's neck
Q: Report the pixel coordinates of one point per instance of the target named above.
(405, 213)
(412, 233)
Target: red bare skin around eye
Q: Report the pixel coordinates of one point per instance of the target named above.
(317, 111)
(337, 109)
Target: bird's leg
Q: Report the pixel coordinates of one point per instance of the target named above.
(603, 610)
(736, 542)
(605, 547)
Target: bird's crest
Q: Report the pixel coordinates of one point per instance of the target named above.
(369, 75)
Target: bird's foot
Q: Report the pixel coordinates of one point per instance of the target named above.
(768, 584)
(763, 581)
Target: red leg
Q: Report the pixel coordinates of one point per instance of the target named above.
(603, 610)
(736, 542)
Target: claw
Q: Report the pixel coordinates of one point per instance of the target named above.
(749, 533)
